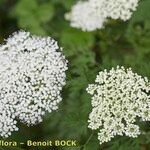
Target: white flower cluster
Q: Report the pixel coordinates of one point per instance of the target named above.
(83, 16)
(119, 98)
(32, 74)
(115, 9)
(92, 14)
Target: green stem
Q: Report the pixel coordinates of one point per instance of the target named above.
(88, 140)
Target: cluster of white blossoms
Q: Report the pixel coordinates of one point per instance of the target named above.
(32, 74)
(7, 112)
(83, 16)
(7, 119)
(92, 14)
(119, 98)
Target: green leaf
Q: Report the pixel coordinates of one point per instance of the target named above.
(138, 32)
(76, 41)
(33, 16)
(45, 12)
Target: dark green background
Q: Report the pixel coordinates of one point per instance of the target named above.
(119, 43)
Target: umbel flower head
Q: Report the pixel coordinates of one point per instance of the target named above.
(119, 98)
(92, 14)
(83, 16)
(115, 9)
(32, 74)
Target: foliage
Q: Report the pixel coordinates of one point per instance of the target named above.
(119, 43)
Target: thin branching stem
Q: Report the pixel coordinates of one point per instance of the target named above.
(82, 147)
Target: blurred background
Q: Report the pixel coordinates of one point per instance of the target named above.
(119, 43)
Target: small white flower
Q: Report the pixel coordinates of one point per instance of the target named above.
(104, 136)
(32, 74)
(132, 130)
(119, 97)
